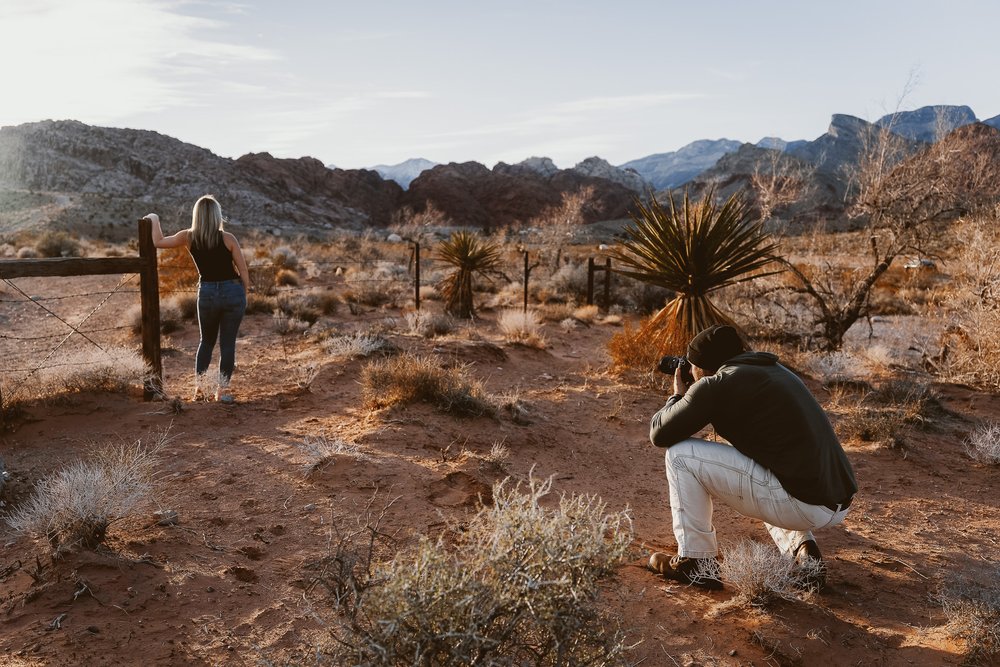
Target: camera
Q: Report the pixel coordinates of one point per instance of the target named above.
(670, 364)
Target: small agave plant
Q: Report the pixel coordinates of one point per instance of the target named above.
(469, 255)
(692, 250)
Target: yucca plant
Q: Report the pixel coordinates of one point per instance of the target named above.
(693, 251)
(469, 254)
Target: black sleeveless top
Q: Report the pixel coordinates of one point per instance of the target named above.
(214, 264)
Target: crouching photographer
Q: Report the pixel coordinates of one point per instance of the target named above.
(783, 464)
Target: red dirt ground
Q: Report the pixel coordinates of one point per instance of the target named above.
(226, 585)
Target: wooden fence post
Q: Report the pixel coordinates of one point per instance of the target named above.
(527, 273)
(416, 274)
(149, 292)
(607, 283)
(590, 281)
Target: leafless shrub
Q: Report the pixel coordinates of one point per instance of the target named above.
(983, 444)
(358, 345)
(972, 607)
(408, 378)
(521, 327)
(380, 286)
(429, 325)
(517, 586)
(320, 299)
(75, 506)
(761, 574)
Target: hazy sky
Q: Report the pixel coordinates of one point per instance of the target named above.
(357, 83)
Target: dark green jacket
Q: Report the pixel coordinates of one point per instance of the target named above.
(762, 409)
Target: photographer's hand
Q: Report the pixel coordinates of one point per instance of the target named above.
(680, 386)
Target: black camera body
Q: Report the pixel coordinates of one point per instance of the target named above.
(669, 365)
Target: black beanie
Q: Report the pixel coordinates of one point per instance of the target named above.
(714, 346)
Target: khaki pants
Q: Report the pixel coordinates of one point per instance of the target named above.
(699, 471)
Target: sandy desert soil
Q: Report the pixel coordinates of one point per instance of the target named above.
(226, 585)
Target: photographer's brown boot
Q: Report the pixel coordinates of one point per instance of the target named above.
(811, 574)
(703, 572)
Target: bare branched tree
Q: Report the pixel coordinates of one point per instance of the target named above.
(779, 180)
(904, 199)
(558, 224)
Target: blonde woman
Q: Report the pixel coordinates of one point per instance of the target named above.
(224, 282)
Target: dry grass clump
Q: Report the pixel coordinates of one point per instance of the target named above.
(358, 345)
(284, 257)
(429, 325)
(880, 414)
(409, 378)
(521, 328)
(973, 611)
(185, 303)
(983, 444)
(113, 369)
(75, 506)
(761, 574)
(322, 451)
(518, 585)
(322, 300)
(495, 461)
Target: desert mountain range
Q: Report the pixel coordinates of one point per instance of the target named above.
(96, 180)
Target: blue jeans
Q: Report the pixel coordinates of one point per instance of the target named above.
(220, 310)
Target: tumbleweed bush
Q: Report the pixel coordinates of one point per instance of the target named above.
(76, 505)
(517, 586)
(983, 444)
(761, 574)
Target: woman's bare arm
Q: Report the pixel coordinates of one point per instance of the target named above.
(238, 259)
(177, 240)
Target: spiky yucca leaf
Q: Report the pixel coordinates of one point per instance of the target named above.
(694, 250)
(469, 255)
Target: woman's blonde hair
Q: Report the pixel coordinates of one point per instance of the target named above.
(206, 222)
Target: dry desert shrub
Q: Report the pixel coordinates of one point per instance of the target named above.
(284, 324)
(972, 607)
(176, 271)
(58, 244)
(27, 252)
(359, 345)
(521, 327)
(970, 345)
(495, 461)
(185, 303)
(286, 278)
(75, 506)
(761, 574)
(171, 317)
(586, 314)
(429, 325)
(630, 349)
(380, 286)
(112, 369)
(409, 378)
(322, 300)
(517, 585)
(983, 444)
(283, 257)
